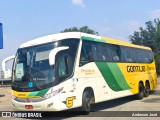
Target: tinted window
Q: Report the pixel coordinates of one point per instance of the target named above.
(127, 54)
(103, 52)
(143, 56)
(149, 56)
(73, 46)
(88, 52)
(115, 52)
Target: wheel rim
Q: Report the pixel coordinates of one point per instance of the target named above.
(87, 103)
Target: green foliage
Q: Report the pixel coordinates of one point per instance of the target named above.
(150, 37)
(84, 29)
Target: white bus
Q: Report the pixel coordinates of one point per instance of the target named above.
(69, 70)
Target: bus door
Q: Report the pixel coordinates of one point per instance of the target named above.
(64, 72)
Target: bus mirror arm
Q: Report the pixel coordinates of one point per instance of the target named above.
(53, 53)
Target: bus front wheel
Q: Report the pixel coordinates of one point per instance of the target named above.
(86, 102)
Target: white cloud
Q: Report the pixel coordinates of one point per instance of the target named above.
(78, 3)
(155, 14)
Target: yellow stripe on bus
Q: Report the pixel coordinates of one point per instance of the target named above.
(20, 94)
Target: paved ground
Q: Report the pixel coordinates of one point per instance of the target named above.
(151, 103)
(5, 98)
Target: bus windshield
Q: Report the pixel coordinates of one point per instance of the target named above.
(32, 71)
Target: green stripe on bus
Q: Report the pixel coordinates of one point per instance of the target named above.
(108, 76)
(33, 93)
(118, 76)
(92, 39)
(42, 92)
(39, 93)
(113, 76)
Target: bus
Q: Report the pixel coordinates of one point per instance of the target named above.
(75, 70)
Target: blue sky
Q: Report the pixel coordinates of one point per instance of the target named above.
(24, 20)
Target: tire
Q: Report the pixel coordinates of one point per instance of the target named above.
(86, 106)
(146, 90)
(140, 94)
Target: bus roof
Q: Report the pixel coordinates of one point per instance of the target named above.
(60, 36)
(119, 42)
(51, 38)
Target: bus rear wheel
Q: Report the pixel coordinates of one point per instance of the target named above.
(140, 94)
(146, 90)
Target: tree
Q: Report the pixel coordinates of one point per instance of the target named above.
(84, 29)
(150, 37)
(147, 36)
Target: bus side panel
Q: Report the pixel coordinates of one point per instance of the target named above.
(134, 73)
(84, 84)
(114, 79)
(87, 78)
(151, 68)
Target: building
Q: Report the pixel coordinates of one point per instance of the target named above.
(6, 74)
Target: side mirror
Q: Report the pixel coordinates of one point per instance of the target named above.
(53, 53)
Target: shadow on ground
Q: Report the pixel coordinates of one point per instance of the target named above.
(96, 108)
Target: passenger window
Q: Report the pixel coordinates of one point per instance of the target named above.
(128, 55)
(94, 52)
(101, 52)
(149, 56)
(116, 53)
(139, 55)
(143, 57)
(88, 48)
(108, 53)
